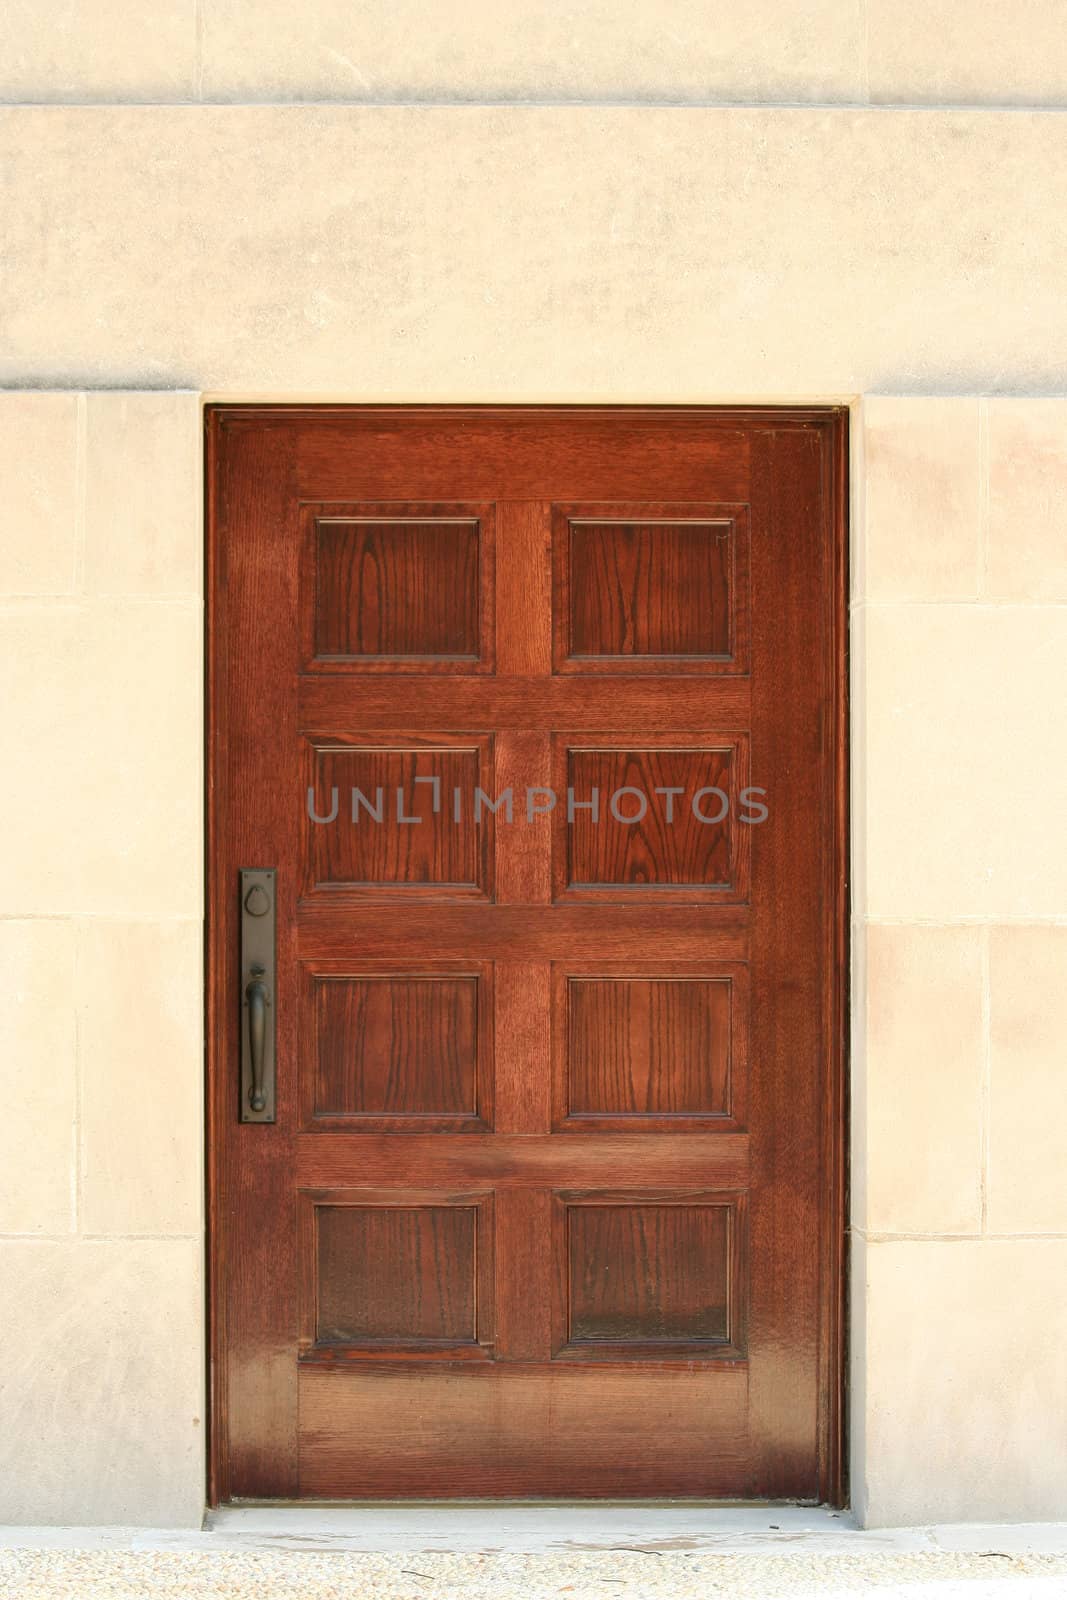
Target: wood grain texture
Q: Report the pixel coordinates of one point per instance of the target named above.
(656, 587)
(399, 817)
(643, 1047)
(648, 1047)
(509, 1430)
(599, 1366)
(396, 1046)
(834, 755)
(523, 1161)
(375, 1037)
(649, 589)
(526, 703)
(522, 1060)
(561, 454)
(254, 1271)
(524, 589)
(652, 818)
(797, 901)
(395, 1275)
(648, 1274)
(570, 929)
(397, 586)
(401, 1274)
(396, 589)
(524, 848)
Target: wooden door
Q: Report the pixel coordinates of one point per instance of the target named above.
(552, 1202)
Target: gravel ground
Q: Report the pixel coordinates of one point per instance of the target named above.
(631, 1575)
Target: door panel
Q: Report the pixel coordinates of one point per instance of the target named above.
(398, 587)
(651, 814)
(640, 1050)
(659, 588)
(396, 1049)
(391, 836)
(539, 716)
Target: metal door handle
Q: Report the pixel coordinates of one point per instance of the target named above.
(258, 996)
(258, 1000)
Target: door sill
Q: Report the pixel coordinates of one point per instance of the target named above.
(534, 1528)
(657, 1528)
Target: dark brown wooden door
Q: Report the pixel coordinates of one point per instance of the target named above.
(552, 1203)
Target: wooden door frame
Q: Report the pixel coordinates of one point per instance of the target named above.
(833, 1384)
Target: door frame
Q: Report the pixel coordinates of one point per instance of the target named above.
(833, 1341)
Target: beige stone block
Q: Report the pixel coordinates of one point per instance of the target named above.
(140, 1033)
(101, 1392)
(923, 1077)
(856, 1358)
(74, 50)
(966, 1382)
(857, 1044)
(529, 252)
(1027, 545)
(922, 500)
(858, 767)
(1028, 1091)
(967, 51)
(966, 761)
(101, 730)
(678, 50)
(38, 522)
(143, 494)
(38, 1090)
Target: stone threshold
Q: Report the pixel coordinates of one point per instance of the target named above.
(561, 1529)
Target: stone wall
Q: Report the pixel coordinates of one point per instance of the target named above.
(818, 239)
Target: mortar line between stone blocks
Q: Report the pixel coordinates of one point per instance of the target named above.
(102, 1238)
(958, 604)
(149, 1238)
(874, 1237)
(593, 100)
(985, 1089)
(117, 918)
(19, 604)
(979, 919)
(81, 441)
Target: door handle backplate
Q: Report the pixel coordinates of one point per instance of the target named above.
(257, 992)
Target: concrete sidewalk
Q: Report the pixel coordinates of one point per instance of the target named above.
(534, 1553)
(627, 1575)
